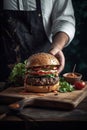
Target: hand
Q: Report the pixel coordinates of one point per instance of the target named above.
(59, 54)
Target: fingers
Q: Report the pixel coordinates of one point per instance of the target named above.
(59, 54)
(61, 59)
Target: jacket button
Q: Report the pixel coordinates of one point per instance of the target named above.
(39, 14)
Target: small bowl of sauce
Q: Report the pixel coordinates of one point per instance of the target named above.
(72, 77)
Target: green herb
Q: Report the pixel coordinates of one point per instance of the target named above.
(50, 75)
(65, 86)
(17, 73)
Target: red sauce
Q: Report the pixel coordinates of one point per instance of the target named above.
(72, 75)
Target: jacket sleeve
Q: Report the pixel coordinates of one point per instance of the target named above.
(63, 18)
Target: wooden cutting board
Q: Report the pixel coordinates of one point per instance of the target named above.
(68, 100)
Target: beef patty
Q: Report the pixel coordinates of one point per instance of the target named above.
(38, 81)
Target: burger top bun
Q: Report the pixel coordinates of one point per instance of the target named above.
(41, 59)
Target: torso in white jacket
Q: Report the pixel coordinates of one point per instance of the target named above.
(58, 15)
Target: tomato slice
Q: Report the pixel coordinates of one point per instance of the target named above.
(79, 85)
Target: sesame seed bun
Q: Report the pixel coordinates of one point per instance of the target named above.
(41, 59)
(42, 89)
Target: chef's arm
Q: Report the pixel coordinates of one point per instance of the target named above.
(60, 40)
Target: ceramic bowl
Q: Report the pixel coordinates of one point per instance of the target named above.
(72, 77)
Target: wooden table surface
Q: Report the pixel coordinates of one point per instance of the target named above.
(42, 118)
(36, 117)
(47, 114)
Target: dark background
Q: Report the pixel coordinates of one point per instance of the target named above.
(76, 52)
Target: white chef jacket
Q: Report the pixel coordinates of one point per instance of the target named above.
(58, 15)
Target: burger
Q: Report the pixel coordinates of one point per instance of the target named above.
(41, 73)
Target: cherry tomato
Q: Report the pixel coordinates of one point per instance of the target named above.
(79, 84)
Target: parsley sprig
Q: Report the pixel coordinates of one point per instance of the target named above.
(17, 73)
(65, 86)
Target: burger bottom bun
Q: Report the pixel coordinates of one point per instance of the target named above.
(42, 89)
